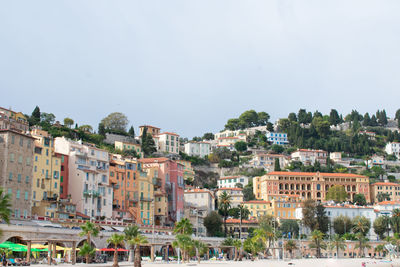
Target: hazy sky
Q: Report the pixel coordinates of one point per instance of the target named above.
(188, 66)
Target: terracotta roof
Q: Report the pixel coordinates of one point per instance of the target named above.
(168, 133)
(386, 184)
(82, 215)
(325, 174)
(389, 203)
(310, 150)
(232, 189)
(229, 137)
(153, 160)
(16, 132)
(149, 126)
(256, 202)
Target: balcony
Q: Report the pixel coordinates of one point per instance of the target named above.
(157, 182)
(91, 193)
(81, 154)
(133, 199)
(146, 199)
(101, 169)
(168, 186)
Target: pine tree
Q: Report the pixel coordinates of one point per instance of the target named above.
(35, 117)
(277, 166)
(367, 120)
(131, 132)
(102, 130)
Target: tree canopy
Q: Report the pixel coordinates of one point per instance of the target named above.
(247, 119)
(115, 121)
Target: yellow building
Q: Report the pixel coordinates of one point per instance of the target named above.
(257, 187)
(46, 176)
(188, 172)
(258, 208)
(391, 189)
(126, 146)
(146, 196)
(284, 206)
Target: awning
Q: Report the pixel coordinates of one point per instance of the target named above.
(47, 224)
(120, 229)
(107, 228)
(112, 249)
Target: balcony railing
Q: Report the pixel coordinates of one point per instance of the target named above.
(91, 193)
(142, 198)
(157, 181)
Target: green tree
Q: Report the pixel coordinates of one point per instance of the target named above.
(322, 219)
(277, 148)
(361, 225)
(130, 233)
(253, 246)
(309, 210)
(334, 118)
(337, 193)
(342, 224)
(237, 243)
(184, 227)
(359, 199)
(102, 129)
(290, 246)
(116, 240)
(5, 207)
(68, 122)
(89, 230)
(289, 226)
(262, 118)
(184, 243)
(115, 121)
(383, 197)
(87, 251)
(47, 118)
(292, 117)
(380, 226)
(395, 221)
(380, 249)
(241, 146)
(317, 242)
(86, 128)
(136, 240)
(34, 119)
(224, 203)
(248, 193)
(148, 145)
(200, 248)
(277, 166)
(362, 244)
(338, 243)
(131, 132)
(208, 136)
(212, 222)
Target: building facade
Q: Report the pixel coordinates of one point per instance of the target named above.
(267, 161)
(277, 138)
(168, 143)
(258, 208)
(309, 157)
(231, 181)
(16, 170)
(198, 149)
(391, 189)
(200, 198)
(235, 193)
(153, 131)
(309, 185)
(128, 146)
(393, 148)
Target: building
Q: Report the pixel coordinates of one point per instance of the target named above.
(309, 185)
(16, 170)
(371, 135)
(247, 132)
(267, 161)
(284, 206)
(124, 179)
(200, 198)
(198, 149)
(168, 143)
(233, 227)
(188, 171)
(153, 131)
(385, 208)
(169, 176)
(392, 189)
(88, 181)
(196, 217)
(146, 197)
(46, 182)
(277, 138)
(128, 146)
(232, 181)
(231, 140)
(393, 148)
(258, 208)
(235, 193)
(309, 157)
(64, 174)
(12, 120)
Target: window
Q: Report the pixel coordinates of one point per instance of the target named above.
(11, 157)
(29, 143)
(10, 191)
(18, 194)
(21, 141)
(20, 159)
(10, 176)
(19, 178)
(27, 179)
(34, 194)
(12, 139)
(55, 185)
(26, 195)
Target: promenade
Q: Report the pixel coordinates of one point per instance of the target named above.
(262, 263)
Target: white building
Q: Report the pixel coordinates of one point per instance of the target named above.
(336, 157)
(247, 132)
(88, 181)
(231, 140)
(267, 161)
(231, 181)
(386, 207)
(309, 157)
(200, 198)
(393, 148)
(168, 142)
(277, 138)
(199, 149)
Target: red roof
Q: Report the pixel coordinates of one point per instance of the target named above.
(153, 160)
(229, 137)
(233, 189)
(256, 202)
(149, 126)
(228, 177)
(351, 175)
(169, 133)
(389, 203)
(386, 184)
(310, 150)
(238, 221)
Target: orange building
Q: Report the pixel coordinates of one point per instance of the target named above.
(310, 185)
(392, 189)
(123, 177)
(284, 206)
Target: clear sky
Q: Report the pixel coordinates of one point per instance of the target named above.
(188, 66)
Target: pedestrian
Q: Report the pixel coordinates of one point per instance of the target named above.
(4, 259)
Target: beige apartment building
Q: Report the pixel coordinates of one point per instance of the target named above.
(392, 189)
(16, 169)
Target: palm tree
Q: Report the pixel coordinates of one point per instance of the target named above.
(253, 246)
(362, 244)
(5, 206)
(237, 243)
(338, 243)
(86, 250)
(184, 227)
(380, 249)
(116, 240)
(361, 225)
(136, 240)
(200, 248)
(395, 220)
(291, 245)
(130, 232)
(317, 241)
(266, 234)
(395, 240)
(224, 205)
(89, 230)
(184, 243)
